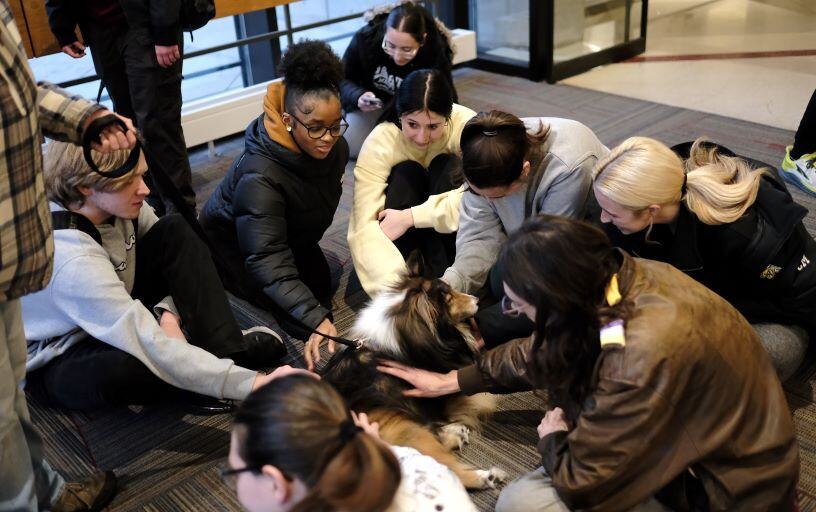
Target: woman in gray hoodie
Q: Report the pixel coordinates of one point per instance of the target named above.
(514, 169)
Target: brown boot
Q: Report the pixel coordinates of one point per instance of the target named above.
(93, 493)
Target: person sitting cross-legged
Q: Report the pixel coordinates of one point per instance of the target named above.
(93, 339)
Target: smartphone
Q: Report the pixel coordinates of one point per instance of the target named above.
(373, 101)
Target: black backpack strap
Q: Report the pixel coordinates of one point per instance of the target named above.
(71, 220)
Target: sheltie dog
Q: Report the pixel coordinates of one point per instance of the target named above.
(421, 323)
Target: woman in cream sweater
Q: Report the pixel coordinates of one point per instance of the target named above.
(405, 191)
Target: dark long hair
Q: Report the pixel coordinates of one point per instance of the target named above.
(495, 145)
(423, 89)
(310, 68)
(562, 267)
(294, 423)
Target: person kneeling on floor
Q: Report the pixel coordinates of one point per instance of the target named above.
(93, 339)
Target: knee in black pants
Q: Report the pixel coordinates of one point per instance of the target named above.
(407, 186)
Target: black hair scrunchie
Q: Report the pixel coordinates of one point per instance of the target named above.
(348, 429)
(93, 134)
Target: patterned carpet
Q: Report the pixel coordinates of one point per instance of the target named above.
(167, 460)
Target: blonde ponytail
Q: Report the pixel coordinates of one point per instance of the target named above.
(719, 188)
(641, 172)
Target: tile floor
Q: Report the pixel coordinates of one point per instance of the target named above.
(772, 90)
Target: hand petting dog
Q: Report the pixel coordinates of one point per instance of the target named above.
(426, 384)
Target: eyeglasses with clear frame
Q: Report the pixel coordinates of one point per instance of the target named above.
(318, 132)
(510, 308)
(392, 49)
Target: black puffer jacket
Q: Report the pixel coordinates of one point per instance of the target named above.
(157, 20)
(270, 201)
(369, 68)
(764, 263)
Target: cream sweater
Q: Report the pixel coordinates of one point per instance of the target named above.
(377, 260)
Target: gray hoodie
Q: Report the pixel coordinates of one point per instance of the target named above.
(89, 295)
(570, 152)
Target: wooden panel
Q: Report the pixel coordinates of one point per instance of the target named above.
(233, 7)
(19, 18)
(39, 40)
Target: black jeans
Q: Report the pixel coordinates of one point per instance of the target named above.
(170, 260)
(150, 95)
(496, 327)
(805, 139)
(410, 184)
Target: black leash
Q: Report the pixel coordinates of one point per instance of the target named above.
(93, 133)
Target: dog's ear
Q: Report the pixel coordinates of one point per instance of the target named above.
(416, 264)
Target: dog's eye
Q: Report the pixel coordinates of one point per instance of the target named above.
(448, 298)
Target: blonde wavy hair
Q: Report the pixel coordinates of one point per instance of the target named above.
(65, 172)
(641, 172)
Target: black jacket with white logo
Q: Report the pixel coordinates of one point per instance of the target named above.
(762, 263)
(369, 68)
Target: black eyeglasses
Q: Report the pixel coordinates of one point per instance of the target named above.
(231, 475)
(318, 132)
(510, 308)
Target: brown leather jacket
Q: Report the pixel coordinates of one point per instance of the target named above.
(689, 399)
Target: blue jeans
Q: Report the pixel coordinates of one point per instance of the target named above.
(28, 483)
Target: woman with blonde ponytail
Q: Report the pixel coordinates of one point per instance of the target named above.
(724, 220)
(296, 447)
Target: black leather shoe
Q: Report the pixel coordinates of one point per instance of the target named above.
(263, 349)
(205, 405)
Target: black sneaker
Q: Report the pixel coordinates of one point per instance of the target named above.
(203, 405)
(263, 349)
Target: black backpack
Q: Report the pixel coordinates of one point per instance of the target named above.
(196, 13)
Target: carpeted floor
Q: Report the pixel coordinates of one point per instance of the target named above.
(167, 459)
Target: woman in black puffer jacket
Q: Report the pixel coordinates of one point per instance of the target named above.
(279, 197)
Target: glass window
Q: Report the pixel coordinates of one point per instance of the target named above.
(590, 26)
(502, 28)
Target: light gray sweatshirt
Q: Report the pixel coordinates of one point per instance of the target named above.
(89, 294)
(570, 153)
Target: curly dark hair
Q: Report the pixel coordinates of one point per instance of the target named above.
(310, 68)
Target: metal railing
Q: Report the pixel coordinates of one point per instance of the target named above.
(288, 32)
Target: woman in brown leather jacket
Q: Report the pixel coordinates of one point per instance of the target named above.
(665, 395)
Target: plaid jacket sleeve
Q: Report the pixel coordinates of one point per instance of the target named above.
(26, 246)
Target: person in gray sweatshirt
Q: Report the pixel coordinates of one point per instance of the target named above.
(514, 169)
(93, 339)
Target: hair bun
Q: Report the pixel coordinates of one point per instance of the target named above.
(309, 65)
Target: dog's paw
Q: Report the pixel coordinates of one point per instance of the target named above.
(492, 478)
(454, 436)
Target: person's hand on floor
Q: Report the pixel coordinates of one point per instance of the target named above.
(395, 223)
(553, 421)
(311, 352)
(426, 384)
